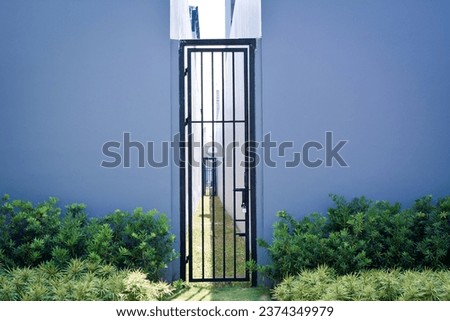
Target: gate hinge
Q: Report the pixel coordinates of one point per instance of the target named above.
(187, 259)
(186, 121)
(186, 71)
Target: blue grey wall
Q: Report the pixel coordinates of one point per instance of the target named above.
(74, 75)
(376, 73)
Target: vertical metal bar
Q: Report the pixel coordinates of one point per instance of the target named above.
(201, 169)
(182, 151)
(213, 144)
(253, 208)
(223, 166)
(190, 160)
(247, 157)
(234, 163)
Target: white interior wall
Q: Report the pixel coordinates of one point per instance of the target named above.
(217, 21)
(180, 24)
(246, 19)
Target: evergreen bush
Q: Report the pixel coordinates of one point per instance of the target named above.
(32, 235)
(362, 234)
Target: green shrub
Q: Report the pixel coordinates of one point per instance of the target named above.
(362, 234)
(78, 281)
(72, 234)
(138, 288)
(311, 284)
(323, 284)
(28, 233)
(138, 240)
(31, 235)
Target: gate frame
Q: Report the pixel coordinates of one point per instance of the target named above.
(183, 122)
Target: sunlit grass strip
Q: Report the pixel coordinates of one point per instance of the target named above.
(206, 251)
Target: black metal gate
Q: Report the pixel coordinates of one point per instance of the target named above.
(217, 172)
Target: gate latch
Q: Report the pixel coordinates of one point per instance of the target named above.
(244, 199)
(244, 207)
